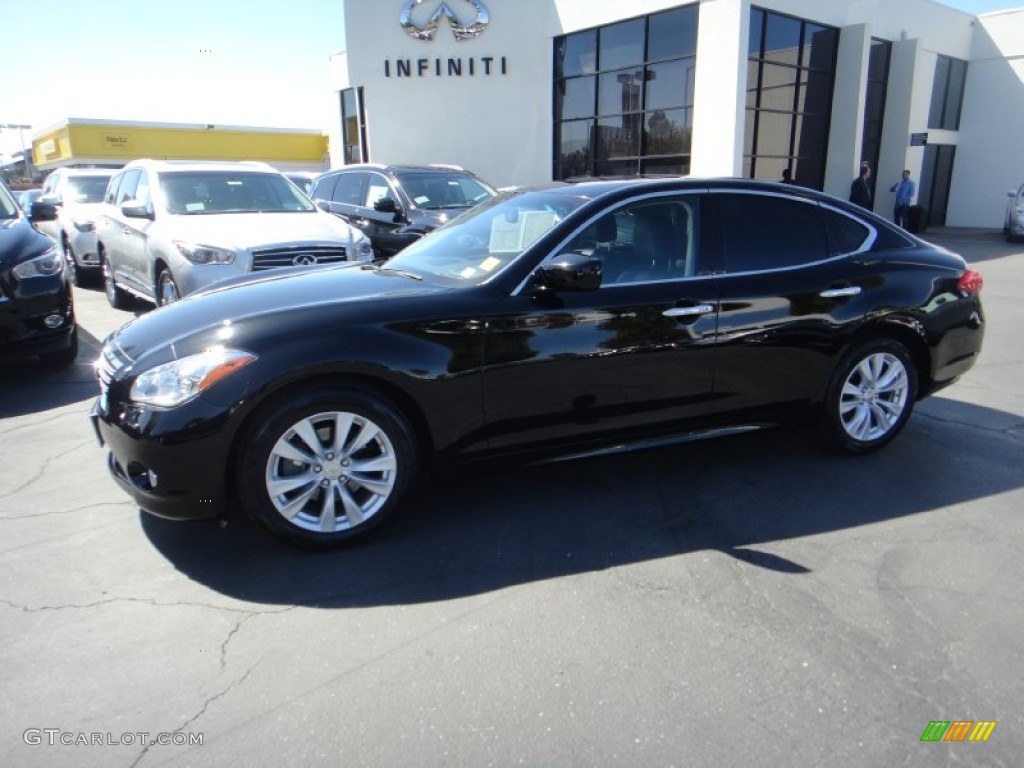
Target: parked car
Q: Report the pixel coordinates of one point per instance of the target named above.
(395, 205)
(1013, 228)
(303, 180)
(559, 322)
(170, 228)
(78, 193)
(26, 197)
(37, 316)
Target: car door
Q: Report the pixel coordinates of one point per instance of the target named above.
(383, 222)
(347, 196)
(135, 242)
(635, 354)
(788, 291)
(118, 244)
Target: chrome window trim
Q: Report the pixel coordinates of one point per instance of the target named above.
(557, 250)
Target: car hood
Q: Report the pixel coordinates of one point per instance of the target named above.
(262, 230)
(215, 314)
(19, 240)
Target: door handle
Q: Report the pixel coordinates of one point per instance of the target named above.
(836, 293)
(125, 231)
(699, 309)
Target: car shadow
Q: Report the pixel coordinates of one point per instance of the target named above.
(32, 386)
(478, 530)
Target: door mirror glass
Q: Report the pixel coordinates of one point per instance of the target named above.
(569, 272)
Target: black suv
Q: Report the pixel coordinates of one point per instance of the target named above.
(398, 204)
(36, 312)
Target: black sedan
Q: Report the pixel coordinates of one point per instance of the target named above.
(562, 321)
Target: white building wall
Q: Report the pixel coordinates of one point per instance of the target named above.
(989, 156)
(501, 125)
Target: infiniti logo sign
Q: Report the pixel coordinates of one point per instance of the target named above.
(304, 260)
(462, 31)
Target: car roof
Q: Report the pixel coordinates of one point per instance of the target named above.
(172, 166)
(401, 167)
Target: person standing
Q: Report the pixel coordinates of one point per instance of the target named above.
(787, 176)
(860, 192)
(904, 190)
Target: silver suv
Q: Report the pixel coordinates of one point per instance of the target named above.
(1013, 227)
(170, 228)
(78, 193)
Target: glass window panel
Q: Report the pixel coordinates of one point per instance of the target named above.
(878, 61)
(756, 25)
(574, 98)
(817, 100)
(874, 102)
(618, 167)
(811, 132)
(576, 54)
(673, 165)
(773, 133)
(673, 34)
(770, 168)
(753, 67)
(782, 41)
(620, 91)
(574, 147)
(748, 166)
(939, 88)
(348, 102)
(618, 137)
(668, 84)
(846, 235)
(955, 95)
(748, 132)
(668, 132)
(622, 45)
(819, 47)
(778, 87)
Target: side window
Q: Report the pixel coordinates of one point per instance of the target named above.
(647, 241)
(377, 188)
(323, 188)
(349, 189)
(845, 235)
(764, 232)
(51, 184)
(112, 186)
(126, 191)
(142, 190)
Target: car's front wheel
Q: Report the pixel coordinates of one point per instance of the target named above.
(74, 275)
(116, 296)
(870, 397)
(326, 465)
(166, 289)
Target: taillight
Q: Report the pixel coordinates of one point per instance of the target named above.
(970, 282)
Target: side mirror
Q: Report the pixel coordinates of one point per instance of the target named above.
(1012, 193)
(386, 205)
(323, 205)
(136, 210)
(569, 272)
(41, 210)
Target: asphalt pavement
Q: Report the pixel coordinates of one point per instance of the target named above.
(750, 601)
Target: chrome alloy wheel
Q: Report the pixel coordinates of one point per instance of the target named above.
(331, 472)
(874, 396)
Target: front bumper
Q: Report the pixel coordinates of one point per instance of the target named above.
(24, 330)
(168, 469)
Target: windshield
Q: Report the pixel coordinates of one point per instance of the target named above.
(481, 242)
(214, 192)
(440, 190)
(87, 189)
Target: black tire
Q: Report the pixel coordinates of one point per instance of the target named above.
(870, 397)
(319, 501)
(116, 296)
(166, 288)
(64, 357)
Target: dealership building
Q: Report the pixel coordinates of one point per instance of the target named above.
(526, 91)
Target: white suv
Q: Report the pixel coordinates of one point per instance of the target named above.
(78, 193)
(1013, 227)
(170, 228)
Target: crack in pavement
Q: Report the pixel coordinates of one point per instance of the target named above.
(1009, 431)
(64, 415)
(144, 601)
(65, 511)
(206, 705)
(44, 467)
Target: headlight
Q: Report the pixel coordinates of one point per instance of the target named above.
(204, 254)
(363, 250)
(46, 265)
(84, 225)
(175, 383)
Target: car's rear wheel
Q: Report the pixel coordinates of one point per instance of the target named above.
(116, 296)
(326, 465)
(166, 289)
(870, 397)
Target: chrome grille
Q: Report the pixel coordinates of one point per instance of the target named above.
(111, 360)
(293, 256)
